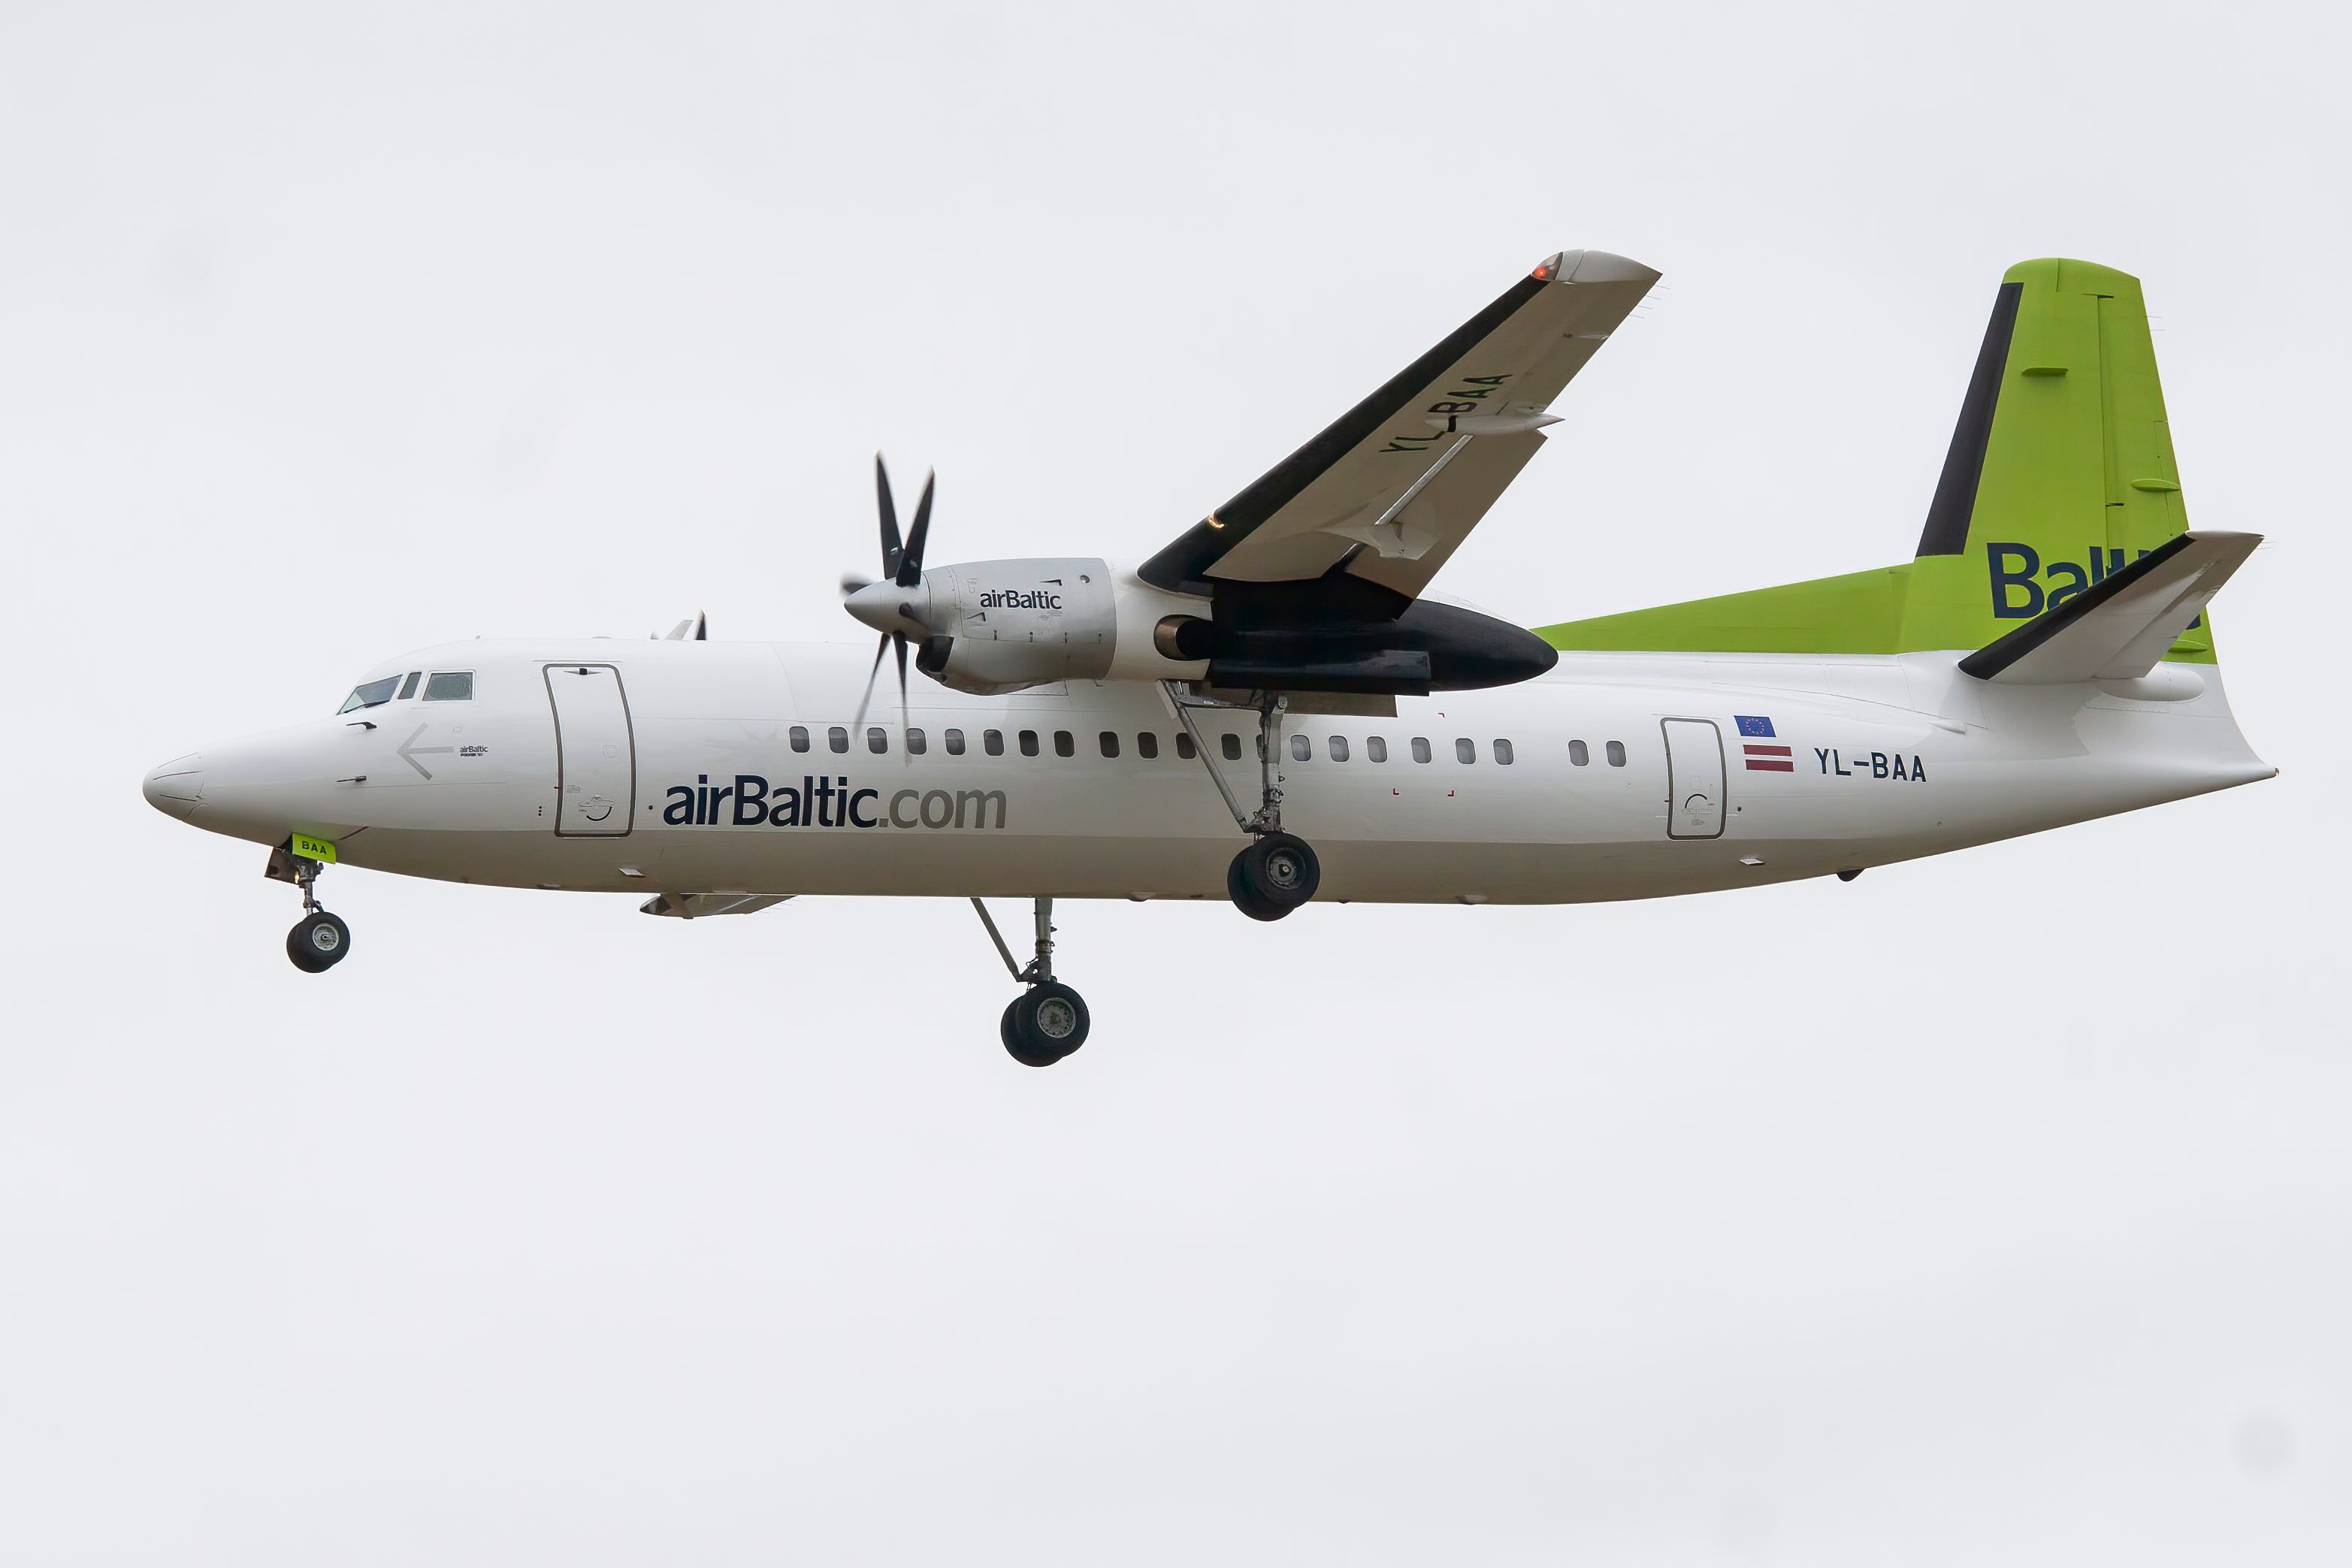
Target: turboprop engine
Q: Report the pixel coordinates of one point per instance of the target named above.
(990, 626)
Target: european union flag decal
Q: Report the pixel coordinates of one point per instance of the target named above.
(1751, 725)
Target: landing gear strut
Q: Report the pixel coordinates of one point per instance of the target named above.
(319, 939)
(1047, 1021)
(1277, 871)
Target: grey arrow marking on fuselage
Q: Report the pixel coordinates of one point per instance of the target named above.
(409, 751)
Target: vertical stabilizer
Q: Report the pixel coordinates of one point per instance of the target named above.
(2060, 471)
(2058, 476)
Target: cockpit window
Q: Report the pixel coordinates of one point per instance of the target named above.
(376, 694)
(408, 686)
(450, 687)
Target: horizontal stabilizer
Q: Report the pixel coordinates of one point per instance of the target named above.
(696, 906)
(2117, 628)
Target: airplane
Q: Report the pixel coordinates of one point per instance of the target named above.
(1279, 678)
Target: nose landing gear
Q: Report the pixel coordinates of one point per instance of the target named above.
(317, 942)
(319, 939)
(1047, 1021)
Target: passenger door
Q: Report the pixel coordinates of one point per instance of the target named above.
(595, 751)
(1694, 778)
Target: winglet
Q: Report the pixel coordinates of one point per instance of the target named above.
(2119, 627)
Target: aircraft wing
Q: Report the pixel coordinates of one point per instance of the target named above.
(1400, 480)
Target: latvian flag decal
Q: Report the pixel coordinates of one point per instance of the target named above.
(1761, 758)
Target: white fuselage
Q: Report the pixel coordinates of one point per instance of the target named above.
(1888, 758)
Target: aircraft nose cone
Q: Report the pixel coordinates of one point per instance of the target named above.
(176, 788)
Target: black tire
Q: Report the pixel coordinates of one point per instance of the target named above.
(1273, 876)
(1239, 889)
(317, 943)
(1016, 1042)
(1044, 1024)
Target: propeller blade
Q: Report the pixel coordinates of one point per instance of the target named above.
(890, 546)
(899, 646)
(879, 649)
(852, 581)
(910, 559)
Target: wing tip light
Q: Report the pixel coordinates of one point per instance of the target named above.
(1593, 267)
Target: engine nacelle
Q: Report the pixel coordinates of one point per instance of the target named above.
(1001, 625)
(992, 626)
(1349, 637)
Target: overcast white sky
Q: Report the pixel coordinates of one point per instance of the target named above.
(1993, 1209)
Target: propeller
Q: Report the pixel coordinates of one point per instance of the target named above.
(902, 568)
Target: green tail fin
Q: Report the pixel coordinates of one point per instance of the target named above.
(2060, 472)
(2060, 469)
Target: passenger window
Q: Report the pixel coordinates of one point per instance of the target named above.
(376, 694)
(1147, 745)
(1184, 746)
(1616, 754)
(450, 687)
(993, 742)
(1065, 744)
(1465, 751)
(878, 740)
(1420, 749)
(1579, 753)
(1301, 748)
(1338, 749)
(917, 742)
(1503, 752)
(800, 738)
(1028, 743)
(1230, 745)
(1376, 747)
(1110, 743)
(837, 738)
(955, 743)
(408, 686)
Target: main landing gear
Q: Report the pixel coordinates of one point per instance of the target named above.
(1047, 1021)
(1273, 876)
(1277, 871)
(319, 939)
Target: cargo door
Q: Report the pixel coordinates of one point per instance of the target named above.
(1694, 778)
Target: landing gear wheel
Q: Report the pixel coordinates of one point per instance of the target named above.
(1044, 1024)
(1273, 876)
(317, 942)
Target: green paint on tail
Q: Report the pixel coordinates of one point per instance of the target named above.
(2061, 470)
